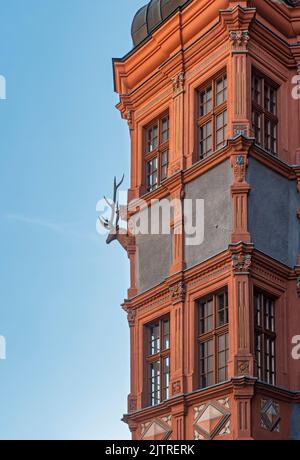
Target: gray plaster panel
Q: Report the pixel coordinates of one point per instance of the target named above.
(295, 423)
(153, 260)
(273, 224)
(214, 188)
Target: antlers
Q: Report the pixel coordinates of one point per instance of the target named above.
(109, 224)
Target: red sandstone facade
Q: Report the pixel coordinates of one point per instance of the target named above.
(166, 74)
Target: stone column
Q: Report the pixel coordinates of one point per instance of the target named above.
(238, 21)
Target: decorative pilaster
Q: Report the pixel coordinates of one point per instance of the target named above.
(131, 251)
(132, 401)
(177, 158)
(243, 364)
(295, 49)
(177, 228)
(177, 296)
(129, 117)
(238, 22)
(240, 189)
(178, 422)
(243, 392)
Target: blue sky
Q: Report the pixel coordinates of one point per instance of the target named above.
(66, 375)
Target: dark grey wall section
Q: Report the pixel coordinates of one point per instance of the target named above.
(153, 260)
(273, 223)
(295, 423)
(214, 188)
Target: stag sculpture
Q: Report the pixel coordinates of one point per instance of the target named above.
(112, 224)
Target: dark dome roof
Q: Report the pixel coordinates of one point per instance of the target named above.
(154, 13)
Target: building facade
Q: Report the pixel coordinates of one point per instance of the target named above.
(210, 95)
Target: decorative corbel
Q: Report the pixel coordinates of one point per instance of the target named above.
(241, 256)
(129, 117)
(178, 84)
(177, 292)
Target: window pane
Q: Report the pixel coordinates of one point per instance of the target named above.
(206, 364)
(256, 90)
(223, 355)
(221, 125)
(154, 339)
(165, 130)
(152, 138)
(206, 316)
(166, 335)
(221, 90)
(154, 376)
(257, 306)
(205, 139)
(256, 120)
(152, 174)
(164, 164)
(222, 309)
(205, 101)
(265, 339)
(166, 378)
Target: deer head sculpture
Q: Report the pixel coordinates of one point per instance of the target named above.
(112, 224)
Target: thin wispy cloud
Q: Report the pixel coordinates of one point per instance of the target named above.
(65, 229)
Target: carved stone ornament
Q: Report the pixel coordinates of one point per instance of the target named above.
(243, 368)
(129, 117)
(176, 388)
(131, 316)
(210, 420)
(159, 429)
(177, 292)
(239, 168)
(240, 130)
(178, 84)
(270, 415)
(241, 262)
(239, 39)
(132, 404)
